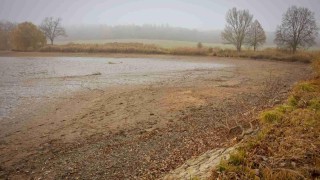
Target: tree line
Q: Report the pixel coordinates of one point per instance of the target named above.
(298, 29)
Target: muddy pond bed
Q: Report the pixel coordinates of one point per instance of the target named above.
(127, 118)
(26, 78)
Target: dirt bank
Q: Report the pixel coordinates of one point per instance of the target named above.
(142, 130)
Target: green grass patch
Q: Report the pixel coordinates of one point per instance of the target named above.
(238, 157)
(307, 87)
(314, 104)
(285, 108)
(293, 101)
(271, 116)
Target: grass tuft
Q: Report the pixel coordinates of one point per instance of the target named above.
(271, 116)
(293, 101)
(308, 87)
(237, 158)
(314, 104)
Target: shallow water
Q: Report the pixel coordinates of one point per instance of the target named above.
(25, 78)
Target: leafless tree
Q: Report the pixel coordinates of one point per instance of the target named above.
(238, 23)
(255, 36)
(52, 28)
(298, 29)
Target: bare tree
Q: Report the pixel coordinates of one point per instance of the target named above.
(52, 28)
(238, 23)
(255, 36)
(298, 29)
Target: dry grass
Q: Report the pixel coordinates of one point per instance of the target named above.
(140, 48)
(190, 51)
(288, 144)
(272, 54)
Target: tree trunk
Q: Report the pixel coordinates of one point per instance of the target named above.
(254, 48)
(238, 48)
(294, 49)
(51, 41)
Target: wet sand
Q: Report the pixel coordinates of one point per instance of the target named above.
(118, 118)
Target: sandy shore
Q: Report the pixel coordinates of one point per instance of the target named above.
(136, 130)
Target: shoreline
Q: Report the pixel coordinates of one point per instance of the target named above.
(150, 129)
(146, 55)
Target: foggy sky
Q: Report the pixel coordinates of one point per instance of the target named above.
(197, 14)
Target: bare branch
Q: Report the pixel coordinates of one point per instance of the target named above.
(238, 22)
(298, 29)
(255, 36)
(52, 28)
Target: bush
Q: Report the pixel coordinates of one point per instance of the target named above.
(26, 36)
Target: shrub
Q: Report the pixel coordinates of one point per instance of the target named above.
(26, 36)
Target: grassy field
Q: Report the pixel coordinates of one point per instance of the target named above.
(161, 43)
(166, 43)
(146, 48)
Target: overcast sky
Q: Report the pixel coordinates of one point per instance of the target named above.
(198, 14)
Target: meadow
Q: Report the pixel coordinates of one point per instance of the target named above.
(134, 46)
(161, 43)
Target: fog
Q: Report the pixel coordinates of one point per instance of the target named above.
(194, 14)
(192, 20)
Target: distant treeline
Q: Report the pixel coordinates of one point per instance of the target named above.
(161, 32)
